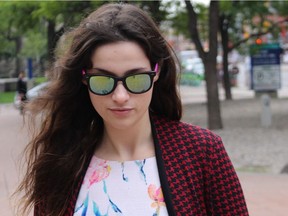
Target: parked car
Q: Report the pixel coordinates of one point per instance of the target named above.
(187, 54)
(30, 95)
(36, 91)
(193, 65)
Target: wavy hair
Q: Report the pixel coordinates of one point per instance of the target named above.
(70, 128)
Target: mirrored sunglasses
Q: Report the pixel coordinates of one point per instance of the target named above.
(105, 84)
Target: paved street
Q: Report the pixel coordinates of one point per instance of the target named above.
(12, 140)
(266, 194)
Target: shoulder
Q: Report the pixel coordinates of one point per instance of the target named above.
(191, 146)
(184, 131)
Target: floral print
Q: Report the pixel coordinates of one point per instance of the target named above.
(141, 164)
(157, 196)
(100, 170)
(121, 188)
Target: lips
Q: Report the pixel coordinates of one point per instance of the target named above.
(121, 111)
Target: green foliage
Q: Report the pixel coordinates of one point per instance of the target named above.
(24, 25)
(17, 15)
(28, 19)
(7, 48)
(280, 6)
(179, 18)
(191, 79)
(252, 17)
(180, 22)
(35, 45)
(7, 97)
(39, 80)
(15, 20)
(66, 13)
(155, 9)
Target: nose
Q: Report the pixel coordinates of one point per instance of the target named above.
(120, 94)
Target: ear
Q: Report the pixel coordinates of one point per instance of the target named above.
(157, 69)
(156, 77)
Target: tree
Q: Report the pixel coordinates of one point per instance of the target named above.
(179, 19)
(16, 31)
(238, 15)
(223, 27)
(154, 8)
(45, 24)
(11, 31)
(209, 59)
(233, 16)
(59, 15)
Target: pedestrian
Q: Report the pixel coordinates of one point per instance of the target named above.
(111, 141)
(21, 90)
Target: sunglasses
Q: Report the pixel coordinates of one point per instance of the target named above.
(135, 83)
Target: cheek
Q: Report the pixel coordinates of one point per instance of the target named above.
(97, 102)
(145, 99)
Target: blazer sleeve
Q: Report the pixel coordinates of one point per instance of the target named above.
(224, 192)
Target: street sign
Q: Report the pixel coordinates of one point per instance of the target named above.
(265, 67)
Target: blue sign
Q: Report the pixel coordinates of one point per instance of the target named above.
(265, 67)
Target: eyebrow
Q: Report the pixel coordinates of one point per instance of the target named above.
(104, 71)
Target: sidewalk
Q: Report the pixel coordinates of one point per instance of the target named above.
(266, 194)
(190, 94)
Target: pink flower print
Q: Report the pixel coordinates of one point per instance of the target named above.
(100, 171)
(157, 196)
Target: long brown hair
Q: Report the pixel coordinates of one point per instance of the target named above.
(70, 128)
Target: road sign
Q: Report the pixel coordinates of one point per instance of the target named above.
(265, 67)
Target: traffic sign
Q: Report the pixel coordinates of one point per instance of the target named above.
(265, 67)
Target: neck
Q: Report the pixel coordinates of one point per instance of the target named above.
(135, 143)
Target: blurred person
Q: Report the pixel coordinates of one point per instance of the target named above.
(21, 90)
(233, 74)
(111, 141)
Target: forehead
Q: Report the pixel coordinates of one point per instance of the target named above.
(122, 55)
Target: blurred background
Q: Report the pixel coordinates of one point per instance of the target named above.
(233, 79)
(218, 43)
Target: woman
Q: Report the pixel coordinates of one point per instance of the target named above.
(111, 141)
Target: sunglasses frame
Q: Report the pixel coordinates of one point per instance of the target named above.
(87, 76)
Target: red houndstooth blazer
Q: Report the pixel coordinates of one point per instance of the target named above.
(196, 174)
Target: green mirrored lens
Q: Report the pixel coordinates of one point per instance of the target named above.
(101, 84)
(138, 83)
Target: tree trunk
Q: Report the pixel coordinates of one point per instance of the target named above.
(224, 23)
(214, 113)
(213, 103)
(53, 38)
(209, 60)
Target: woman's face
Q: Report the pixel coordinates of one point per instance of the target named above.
(121, 109)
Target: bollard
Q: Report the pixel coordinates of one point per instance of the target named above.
(266, 118)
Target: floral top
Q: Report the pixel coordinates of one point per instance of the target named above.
(121, 188)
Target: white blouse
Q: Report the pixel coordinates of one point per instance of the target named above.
(121, 188)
